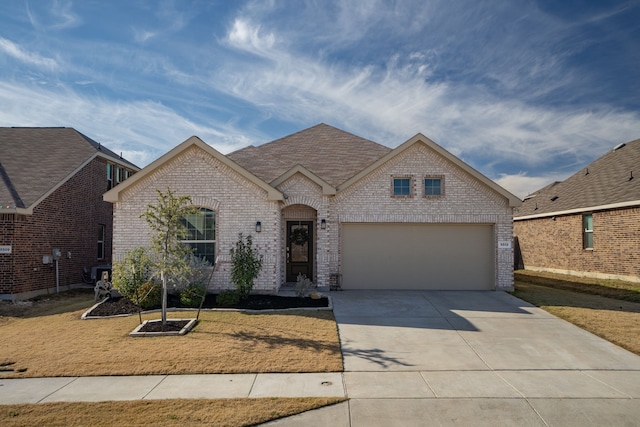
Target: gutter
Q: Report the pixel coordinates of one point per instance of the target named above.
(628, 204)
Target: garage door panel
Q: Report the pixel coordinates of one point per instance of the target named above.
(417, 256)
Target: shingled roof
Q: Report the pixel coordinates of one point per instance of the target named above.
(330, 153)
(612, 180)
(34, 161)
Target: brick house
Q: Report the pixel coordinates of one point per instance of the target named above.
(589, 224)
(334, 207)
(51, 186)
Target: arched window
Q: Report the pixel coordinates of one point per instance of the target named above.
(201, 233)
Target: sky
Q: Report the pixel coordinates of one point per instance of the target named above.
(525, 91)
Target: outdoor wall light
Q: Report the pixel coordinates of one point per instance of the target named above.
(258, 226)
(323, 223)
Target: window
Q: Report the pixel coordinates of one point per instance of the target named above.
(433, 186)
(119, 174)
(402, 187)
(109, 176)
(587, 235)
(201, 233)
(101, 234)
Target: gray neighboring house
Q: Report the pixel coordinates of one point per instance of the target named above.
(335, 207)
(587, 225)
(51, 186)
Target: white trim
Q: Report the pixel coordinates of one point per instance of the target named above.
(628, 204)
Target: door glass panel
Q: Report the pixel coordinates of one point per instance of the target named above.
(299, 249)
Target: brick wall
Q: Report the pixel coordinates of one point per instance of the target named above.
(238, 204)
(465, 201)
(67, 219)
(556, 244)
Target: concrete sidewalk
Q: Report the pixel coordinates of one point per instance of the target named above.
(148, 387)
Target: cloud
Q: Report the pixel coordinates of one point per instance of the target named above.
(59, 16)
(391, 102)
(141, 36)
(141, 130)
(245, 36)
(522, 185)
(30, 58)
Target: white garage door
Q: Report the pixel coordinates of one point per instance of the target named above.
(417, 256)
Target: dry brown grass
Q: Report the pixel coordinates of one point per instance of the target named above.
(222, 342)
(616, 289)
(223, 412)
(615, 320)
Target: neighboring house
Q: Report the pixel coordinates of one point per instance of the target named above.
(589, 224)
(335, 207)
(51, 186)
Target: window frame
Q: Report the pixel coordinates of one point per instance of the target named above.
(393, 186)
(587, 233)
(193, 242)
(424, 186)
(102, 237)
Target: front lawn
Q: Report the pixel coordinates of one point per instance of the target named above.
(222, 342)
(46, 337)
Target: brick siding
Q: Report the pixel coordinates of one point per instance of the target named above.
(67, 219)
(555, 244)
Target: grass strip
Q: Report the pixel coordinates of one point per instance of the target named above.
(168, 413)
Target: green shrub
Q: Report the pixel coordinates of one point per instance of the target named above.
(227, 298)
(150, 295)
(191, 296)
(246, 263)
(132, 272)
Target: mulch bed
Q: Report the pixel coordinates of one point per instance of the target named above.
(171, 326)
(120, 305)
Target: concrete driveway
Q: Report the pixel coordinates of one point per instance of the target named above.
(417, 358)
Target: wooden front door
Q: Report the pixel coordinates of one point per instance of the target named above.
(299, 249)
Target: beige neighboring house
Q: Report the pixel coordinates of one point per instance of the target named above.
(587, 225)
(335, 207)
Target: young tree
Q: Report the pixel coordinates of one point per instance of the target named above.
(171, 258)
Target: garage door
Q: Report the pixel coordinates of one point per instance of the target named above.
(417, 256)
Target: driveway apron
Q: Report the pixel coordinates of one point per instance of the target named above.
(472, 358)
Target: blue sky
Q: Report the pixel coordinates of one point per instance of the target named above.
(525, 91)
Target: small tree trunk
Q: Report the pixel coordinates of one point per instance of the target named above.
(164, 299)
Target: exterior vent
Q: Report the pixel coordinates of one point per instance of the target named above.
(554, 198)
(619, 146)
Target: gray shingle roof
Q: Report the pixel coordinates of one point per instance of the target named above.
(606, 181)
(34, 160)
(330, 153)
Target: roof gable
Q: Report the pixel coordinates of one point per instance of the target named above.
(34, 162)
(606, 183)
(327, 189)
(330, 154)
(113, 195)
(421, 139)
